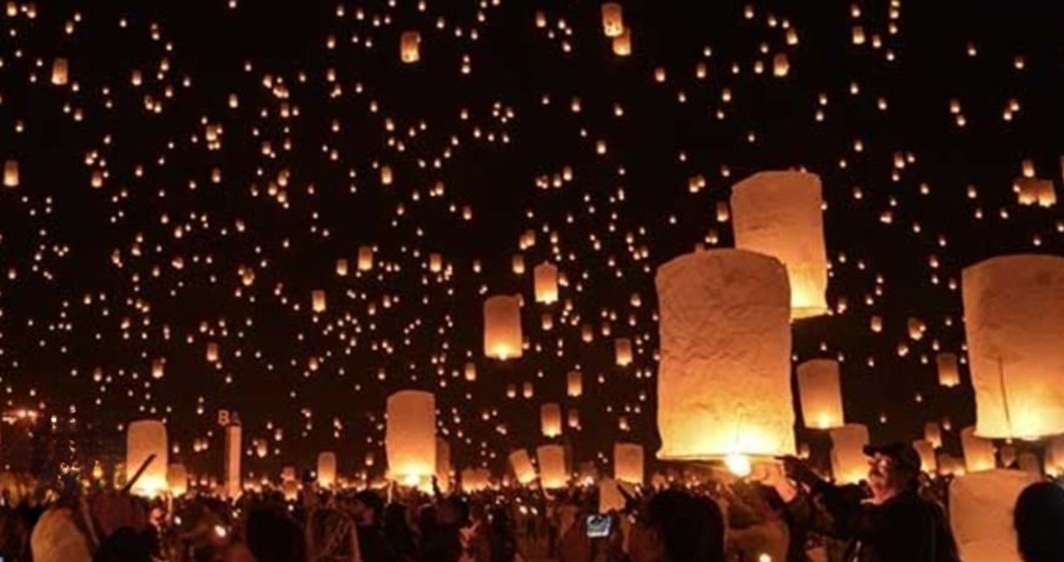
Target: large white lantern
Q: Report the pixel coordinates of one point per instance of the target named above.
(552, 472)
(522, 467)
(410, 437)
(546, 283)
(145, 438)
(1014, 307)
(628, 463)
(502, 328)
(981, 507)
(821, 394)
(779, 214)
(551, 420)
(326, 470)
(849, 464)
(724, 385)
(978, 452)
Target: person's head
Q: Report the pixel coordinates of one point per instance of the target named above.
(273, 537)
(679, 527)
(1039, 522)
(893, 468)
(367, 507)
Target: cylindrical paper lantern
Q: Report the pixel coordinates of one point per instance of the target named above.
(11, 178)
(978, 452)
(928, 461)
(1013, 307)
(948, 373)
(622, 44)
(779, 214)
(410, 46)
(290, 489)
(365, 258)
(177, 480)
(233, 451)
(443, 465)
(522, 467)
(318, 300)
(410, 437)
(546, 281)
(143, 439)
(551, 420)
(623, 350)
(933, 434)
(628, 463)
(821, 394)
(981, 508)
(612, 19)
(326, 470)
(848, 461)
(60, 72)
(475, 480)
(575, 384)
(502, 328)
(724, 384)
(552, 472)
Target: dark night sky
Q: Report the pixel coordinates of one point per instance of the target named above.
(90, 282)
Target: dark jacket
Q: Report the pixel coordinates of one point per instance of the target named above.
(905, 528)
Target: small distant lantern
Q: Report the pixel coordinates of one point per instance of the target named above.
(327, 470)
(522, 467)
(551, 420)
(212, 352)
(821, 394)
(60, 72)
(622, 44)
(387, 177)
(410, 437)
(780, 65)
(553, 473)
(575, 384)
(502, 328)
(290, 489)
(628, 463)
(158, 368)
(978, 452)
(573, 418)
(11, 176)
(948, 372)
(318, 298)
(365, 258)
(518, 264)
(981, 514)
(470, 372)
(848, 461)
(145, 438)
(410, 47)
(612, 19)
(623, 351)
(341, 267)
(546, 281)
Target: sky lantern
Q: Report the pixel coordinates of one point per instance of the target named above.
(780, 65)
(1055, 456)
(410, 437)
(410, 47)
(724, 383)
(341, 267)
(575, 384)
(522, 467)
(502, 328)
(623, 351)
(849, 464)
(821, 394)
(622, 44)
(1035, 191)
(552, 471)
(779, 214)
(551, 420)
(518, 264)
(290, 489)
(475, 480)
(546, 281)
(948, 372)
(365, 258)
(612, 19)
(981, 514)
(443, 465)
(60, 72)
(177, 480)
(1013, 306)
(978, 452)
(933, 434)
(628, 463)
(212, 352)
(145, 438)
(928, 461)
(233, 456)
(318, 301)
(326, 469)
(11, 176)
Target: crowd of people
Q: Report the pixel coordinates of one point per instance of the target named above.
(796, 516)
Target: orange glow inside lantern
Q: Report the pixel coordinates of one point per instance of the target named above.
(551, 420)
(410, 47)
(552, 470)
(410, 437)
(502, 328)
(849, 465)
(821, 394)
(145, 438)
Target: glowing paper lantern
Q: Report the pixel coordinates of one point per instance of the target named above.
(233, 450)
(948, 373)
(443, 465)
(780, 65)
(849, 464)
(575, 384)
(628, 463)
(60, 72)
(1055, 456)
(410, 47)
(623, 350)
(1034, 191)
(326, 470)
(724, 384)
(552, 472)
(475, 480)
(933, 434)
(928, 461)
(177, 480)
(779, 214)
(290, 489)
(978, 452)
(502, 328)
(981, 508)
(821, 394)
(318, 301)
(551, 420)
(365, 258)
(11, 178)
(145, 438)
(622, 44)
(1013, 306)
(522, 467)
(546, 281)
(612, 19)
(410, 437)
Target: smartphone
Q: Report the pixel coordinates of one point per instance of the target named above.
(599, 526)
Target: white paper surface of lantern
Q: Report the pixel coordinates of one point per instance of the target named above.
(628, 463)
(1013, 307)
(521, 464)
(410, 47)
(724, 383)
(779, 214)
(575, 384)
(552, 471)
(546, 283)
(177, 479)
(928, 461)
(443, 465)
(410, 437)
(948, 372)
(143, 439)
(622, 44)
(326, 469)
(612, 19)
(318, 300)
(290, 489)
(502, 328)
(981, 507)
(233, 452)
(11, 176)
(60, 72)
(849, 465)
(551, 420)
(933, 434)
(821, 394)
(365, 258)
(622, 348)
(978, 452)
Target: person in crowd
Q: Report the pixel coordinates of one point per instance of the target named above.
(887, 522)
(441, 531)
(1039, 522)
(367, 509)
(399, 535)
(677, 526)
(501, 539)
(273, 537)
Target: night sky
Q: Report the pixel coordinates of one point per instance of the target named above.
(208, 162)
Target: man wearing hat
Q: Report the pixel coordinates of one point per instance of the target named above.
(884, 521)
